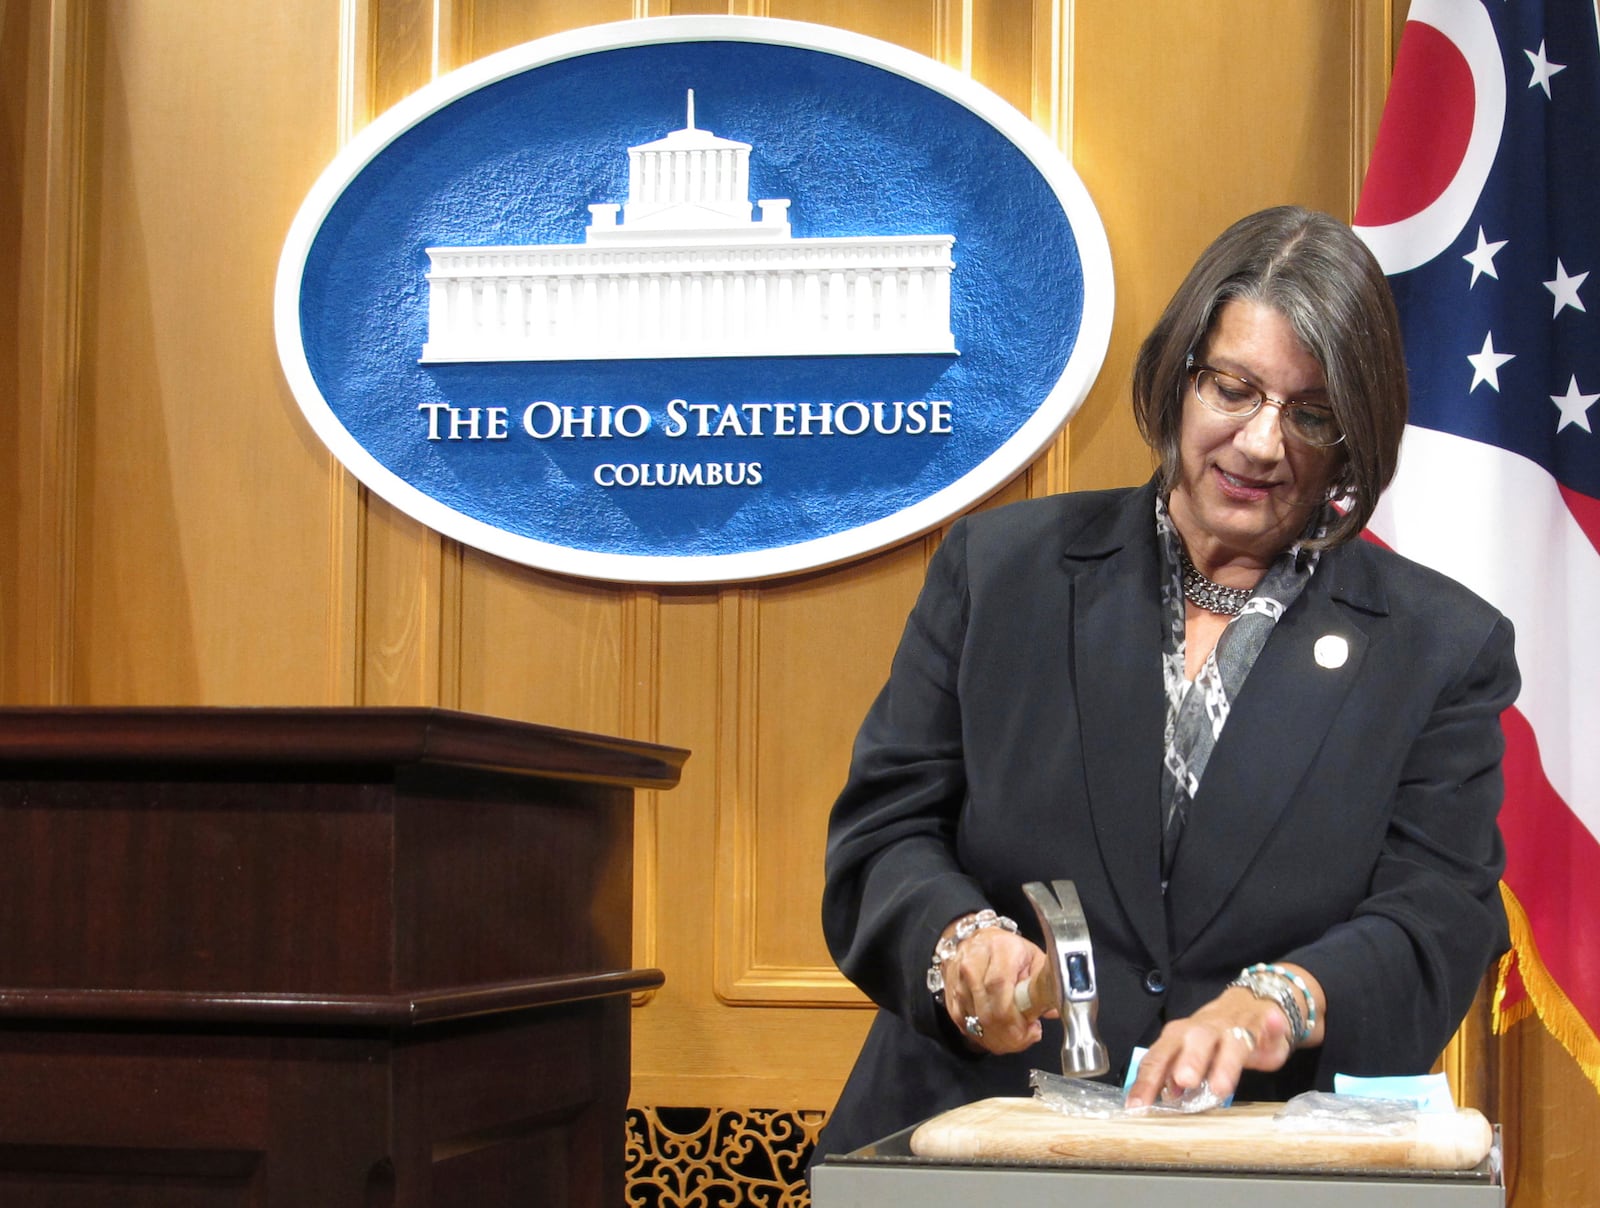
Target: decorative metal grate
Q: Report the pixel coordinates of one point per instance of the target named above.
(697, 1157)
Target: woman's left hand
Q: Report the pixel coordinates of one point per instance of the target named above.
(1234, 1032)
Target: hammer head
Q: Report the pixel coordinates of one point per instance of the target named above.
(1066, 932)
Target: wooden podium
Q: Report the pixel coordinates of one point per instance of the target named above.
(314, 957)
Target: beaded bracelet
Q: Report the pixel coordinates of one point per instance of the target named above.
(968, 926)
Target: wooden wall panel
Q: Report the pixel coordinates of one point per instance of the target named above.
(400, 50)
(1001, 50)
(805, 674)
(202, 503)
(484, 26)
(917, 26)
(174, 532)
(691, 1047)
(1170, 160)
(37, 123)
(535, 645)
(14, 53)
(1552, 1116)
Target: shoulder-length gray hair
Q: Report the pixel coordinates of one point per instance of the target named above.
(1313, 270)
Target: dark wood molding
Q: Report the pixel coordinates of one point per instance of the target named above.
(321, 1010)
(204, 740)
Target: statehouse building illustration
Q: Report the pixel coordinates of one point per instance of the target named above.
(685, 268)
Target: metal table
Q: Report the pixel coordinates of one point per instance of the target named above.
(887, 1174)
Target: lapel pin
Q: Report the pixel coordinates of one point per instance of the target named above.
(1331, 651)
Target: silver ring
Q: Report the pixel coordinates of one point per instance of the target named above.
(1244, 1034)
(973, 1026)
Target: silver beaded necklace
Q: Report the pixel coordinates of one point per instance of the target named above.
(1210, 595)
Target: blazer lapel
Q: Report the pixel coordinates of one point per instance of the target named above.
(1116, 638)
(1274, 731)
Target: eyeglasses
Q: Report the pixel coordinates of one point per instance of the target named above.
(1310, 423)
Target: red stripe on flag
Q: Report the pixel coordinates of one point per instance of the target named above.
(1586, 511)
(1550, 865)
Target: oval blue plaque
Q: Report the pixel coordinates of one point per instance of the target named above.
(693, 299)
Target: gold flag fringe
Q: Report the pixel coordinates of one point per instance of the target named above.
(1555, 1010)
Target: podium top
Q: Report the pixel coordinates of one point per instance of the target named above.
(321, 737)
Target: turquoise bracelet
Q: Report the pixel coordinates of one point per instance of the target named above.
(1305, 992)
(1278, 991)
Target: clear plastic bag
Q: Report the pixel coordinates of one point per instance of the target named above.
(1098, 1101)
(1320, 1111)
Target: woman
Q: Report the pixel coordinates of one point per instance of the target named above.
(1267, 754)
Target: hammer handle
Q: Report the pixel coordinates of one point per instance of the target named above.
(1037, 993)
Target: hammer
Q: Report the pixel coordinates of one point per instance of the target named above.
(1067, 983)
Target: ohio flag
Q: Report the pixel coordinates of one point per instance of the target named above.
(1483, 206)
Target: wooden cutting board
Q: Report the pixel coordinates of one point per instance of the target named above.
(1245, 1135)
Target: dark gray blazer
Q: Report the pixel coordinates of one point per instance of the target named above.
(1346, 820)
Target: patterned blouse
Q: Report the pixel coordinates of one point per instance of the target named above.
(1197, 710)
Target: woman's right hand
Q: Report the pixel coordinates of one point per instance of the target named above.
(980, 989)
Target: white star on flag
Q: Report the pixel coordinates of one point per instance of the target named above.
(1482, 258)
(1486, 365)
(1543, 69)
(1574, 406)
(1565, 289)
